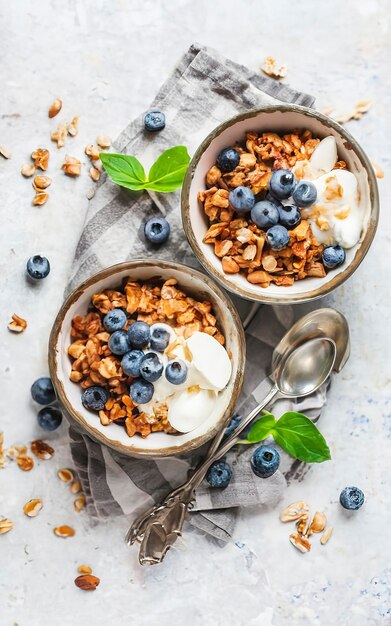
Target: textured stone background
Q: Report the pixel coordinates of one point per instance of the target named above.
(106, 60)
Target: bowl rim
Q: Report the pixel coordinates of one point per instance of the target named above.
(364, 246)
(235, 384)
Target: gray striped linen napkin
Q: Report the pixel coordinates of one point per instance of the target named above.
(203, 90)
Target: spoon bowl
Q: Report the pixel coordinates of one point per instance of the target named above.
(305, 369)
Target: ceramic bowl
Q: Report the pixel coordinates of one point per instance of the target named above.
(277, 118)
(157, 444)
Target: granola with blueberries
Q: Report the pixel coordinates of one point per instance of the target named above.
(281, 207)
(149, 357)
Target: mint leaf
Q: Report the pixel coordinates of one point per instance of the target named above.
(298, 436)
(124, 170)
(168, 171)
(261, 428)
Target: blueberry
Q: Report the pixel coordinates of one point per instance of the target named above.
(352, 498)
(94, 398)
(277, 237)
(228, 159)
(151, 367)
(282, 183)
(139, 334)
(131, 362)
(219, 474)
(333, 256)
(118, 342)
(290, 216)
(157, 230)
(160, 337)
(114, 320)
(141, 391)
(235, 421)
(264, 214)
(154, 121)
(265, 461)
(38, 267)
(274, 200)
(242, 199)
(304, 194)
(49, 418)
(42, 391)
(176, 372)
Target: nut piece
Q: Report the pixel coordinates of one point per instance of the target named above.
(87, 582)
(18, 324)
(301, 543)
(5, 526)
(27, 169)
(25, 462)
(73, 127)
(301, 524)
(326, 535)
(5, 152)
(84, 569)
(294, 511)
(41, 158)
(41, 449)
(65, 474)
(60, 134)
(76, 487)
(271, 68)
(71, 166)
(79, 503)
(32, 507)
(318, 523)
(55, 107)
(95, 174)
(92, 152)
(103, 141)
(40, 199)
(41, 182)
(64, 531)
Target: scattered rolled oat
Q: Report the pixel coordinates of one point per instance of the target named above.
(95, 174)
(41, 182)
(65, 474)
(55, 107)
(92, 152)
(79, 503)
(64, 531)
(5, 525)
(40, 199)
(294, 511)
(103, 141)
(60, 134)
(73, 127)
(300, 542)
(360, 108)
(18, 324)
(27, 170)
(270, 68)
(71, 166)
(87, 582)
(84, 569)
(32, 507)
(41, 158)
(25, 462)
(5, 153)
(326, 535)
(76, 487)
(41, 449)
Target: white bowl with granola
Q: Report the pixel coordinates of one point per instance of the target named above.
(148, 357)
(280, 204)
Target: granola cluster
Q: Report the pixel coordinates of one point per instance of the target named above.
(240, 244)
(94, 364)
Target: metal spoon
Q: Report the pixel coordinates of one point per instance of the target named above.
(302, 372)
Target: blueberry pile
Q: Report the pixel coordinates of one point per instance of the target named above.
(42, 392)
(144, 367)
(269, 214)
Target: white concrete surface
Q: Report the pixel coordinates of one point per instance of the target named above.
(106, 60)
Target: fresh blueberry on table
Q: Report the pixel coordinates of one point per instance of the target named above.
(154, 120)
(352, 498)
(219, 474)
(304, 194)
(289, 215)
(131, 362)
(49, 418)
(42, 391)
(157, 230)
(333, 256)
(282, 184)
(151, 367)
(94, 398)
(139, 334)
(264, 214)
(141, 391)
(38, 267)
(242, 199)
(176, 372)
(277, 237)
(235, 421)
(228, 159)
(118, 342)
(265, 461)
(160, 337)
(114, 320)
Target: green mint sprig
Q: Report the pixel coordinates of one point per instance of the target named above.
(295, 433)
(166, 174)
